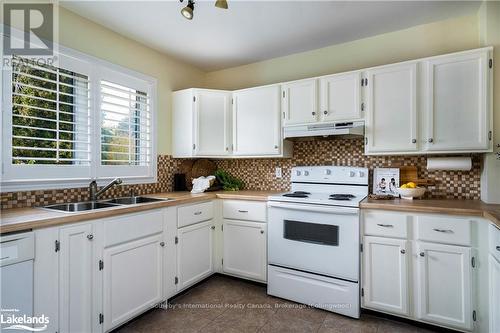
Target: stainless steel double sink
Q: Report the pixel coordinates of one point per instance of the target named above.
(93, 205)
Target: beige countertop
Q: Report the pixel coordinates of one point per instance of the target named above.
(19, 219)
(32, 218)
(444, 206)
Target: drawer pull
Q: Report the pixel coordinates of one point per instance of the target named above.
(197, 213)
(422, 254)
(262, 231)
(242, 211)
(385, 225)
(498, 248)
(403, 251)
(447, 231)
(212, 227)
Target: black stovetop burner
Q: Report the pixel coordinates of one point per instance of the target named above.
(297, 194)
(341, 196)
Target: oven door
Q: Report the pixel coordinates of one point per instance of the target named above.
(314, 238)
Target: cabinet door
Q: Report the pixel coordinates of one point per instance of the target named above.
(300, 102)
(194, 253)
(458, 116)
(444, 284)
(75, 278)
(340, 97)
(494, 294)
(212, 123)
(385, 274)
(245, 252)
(132, 279)
(256, 121)
(391, 122)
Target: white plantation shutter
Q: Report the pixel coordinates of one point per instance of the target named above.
(48, 120)
(82, 119)
(126, 142)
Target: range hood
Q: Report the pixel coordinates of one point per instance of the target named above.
(344, 128)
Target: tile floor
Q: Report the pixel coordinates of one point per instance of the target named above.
(224, 304)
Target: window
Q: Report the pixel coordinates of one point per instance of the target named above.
(125, 125)
(83, 119)
(50, 115)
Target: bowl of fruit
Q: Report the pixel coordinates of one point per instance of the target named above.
(411, 190)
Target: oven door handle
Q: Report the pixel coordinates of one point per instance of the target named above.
(315, 208)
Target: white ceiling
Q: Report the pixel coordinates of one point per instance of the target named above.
(251, 31)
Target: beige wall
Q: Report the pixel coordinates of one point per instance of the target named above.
(86, 36)
(425, 40)
(489, 33)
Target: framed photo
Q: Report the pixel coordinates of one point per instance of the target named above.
(386, 181)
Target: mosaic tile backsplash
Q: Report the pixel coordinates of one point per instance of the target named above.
(258, 174)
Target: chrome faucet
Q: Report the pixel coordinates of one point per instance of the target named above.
(94, 193)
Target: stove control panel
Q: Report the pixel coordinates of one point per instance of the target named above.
(330, 174)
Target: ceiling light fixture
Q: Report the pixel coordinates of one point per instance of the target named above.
(188, 11)
(221, 4)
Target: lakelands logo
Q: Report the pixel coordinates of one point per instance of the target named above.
(12, 321)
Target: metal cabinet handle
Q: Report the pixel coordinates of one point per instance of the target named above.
(385, 225)
(275, 146)
(325, 112)
(242, 211)
(197, 213)
(90, 237)
(422, 254)
(498, 248)
(403, 251)
(448, 231)
(414, 141)
(262, 231)
(162, 244)
(212, 227)
(431, 140)
(313, 113)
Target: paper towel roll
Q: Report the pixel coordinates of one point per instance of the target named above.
(449, 163)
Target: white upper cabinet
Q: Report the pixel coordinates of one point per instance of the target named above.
(212, 122)
(201, 123)
(256, 121)
(391, 121)
(300, 102)
(457, 103)
(340, 97)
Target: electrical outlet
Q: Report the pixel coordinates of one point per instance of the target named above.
(278, 172)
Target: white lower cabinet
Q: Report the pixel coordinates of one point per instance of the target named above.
(245, 253)
(494, 294)
(429, 281)
(63, 274)
(444, 284)
(75, 278)
(194, 253)
(132, 279)
(385, 274)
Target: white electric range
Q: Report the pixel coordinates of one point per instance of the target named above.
(313, 238)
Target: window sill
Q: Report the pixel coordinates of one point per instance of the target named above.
(59, 184)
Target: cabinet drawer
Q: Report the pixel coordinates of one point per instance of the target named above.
(386, 224)
(494, 236)
(444, 229)
(191, 214)
(244, 210)
(133, 226)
